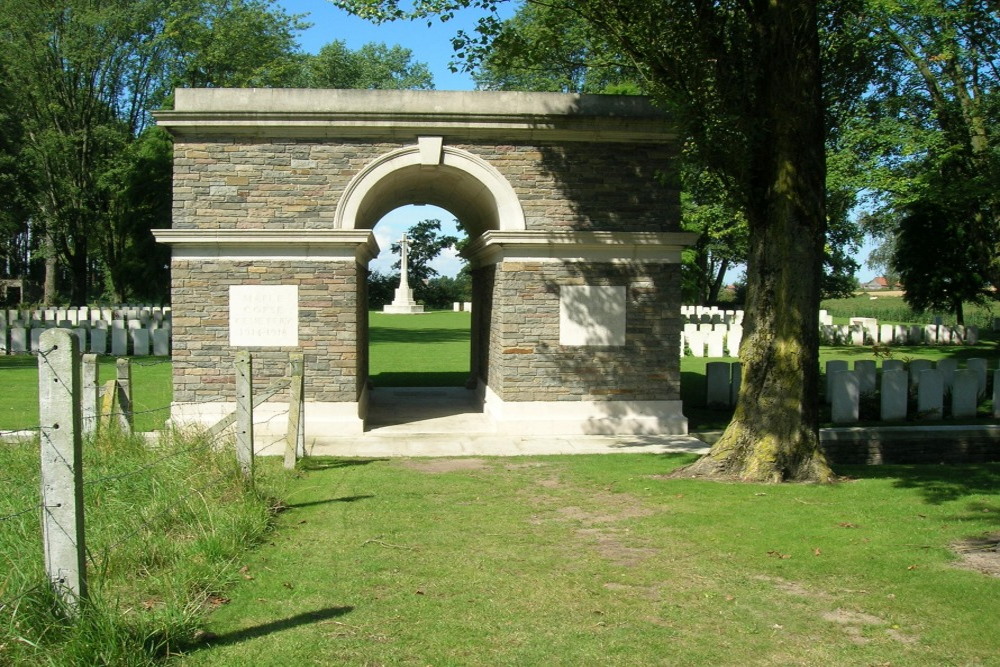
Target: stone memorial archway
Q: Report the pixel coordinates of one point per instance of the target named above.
(571, 202)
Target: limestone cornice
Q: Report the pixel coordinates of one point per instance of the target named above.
(317, 245)
(594, 246)
(404, 115)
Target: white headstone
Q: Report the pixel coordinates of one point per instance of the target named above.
(140, 342)
(965, 394)
(981, 368)
(696, 343)
(865, 370)
(894, 394)
(733, 341)
(98, 341)
(947, 368)
(18, 340)
(161, 342)
(931, 334)
(716, 345)
(930, 394)
(886, 334)
(917, 366)
(119, 342)
(857, 335)
(845, 397)
(832, 367)
(717, 384)
(893, 365)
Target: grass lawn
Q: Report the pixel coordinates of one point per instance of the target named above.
(151, 390)
(425, 350)
(599, 560)
(431, 349)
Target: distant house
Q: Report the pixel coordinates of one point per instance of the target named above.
(879, 283)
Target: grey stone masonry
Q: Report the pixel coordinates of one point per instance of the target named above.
(560, 194)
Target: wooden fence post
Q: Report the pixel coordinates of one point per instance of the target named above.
(123, 373)
(89, 395)
(62, 465)
(295, 437)
(244, 412)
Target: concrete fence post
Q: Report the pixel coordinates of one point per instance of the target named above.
(295, 437)
(123, 382)
(89, 395)
(244, 413)
(62, 465)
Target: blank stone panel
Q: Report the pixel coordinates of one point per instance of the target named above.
(592, 315)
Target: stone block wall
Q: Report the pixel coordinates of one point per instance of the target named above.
(528, 363)
(583, 186)
(247, 183)
(328, 325)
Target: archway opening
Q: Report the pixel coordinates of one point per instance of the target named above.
(431, 348)
(468, 190)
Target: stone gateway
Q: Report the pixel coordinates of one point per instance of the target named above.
(571, 203)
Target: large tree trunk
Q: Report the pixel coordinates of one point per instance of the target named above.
(774, 434)
(50, 286)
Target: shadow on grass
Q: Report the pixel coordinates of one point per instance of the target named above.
(399, 335)
(328, 462)
(18, 361)
(237, 636)
(345, 499)
(421, 379)
(936, 483)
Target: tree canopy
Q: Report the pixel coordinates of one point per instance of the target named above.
(85, 172)
(929, 152)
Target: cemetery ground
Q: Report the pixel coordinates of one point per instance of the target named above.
(540, 560)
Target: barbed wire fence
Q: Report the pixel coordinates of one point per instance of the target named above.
(72, 406)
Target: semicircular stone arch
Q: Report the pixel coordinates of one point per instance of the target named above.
(430, 173)
(571, 203)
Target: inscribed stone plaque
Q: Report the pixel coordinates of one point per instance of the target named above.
(592, 315)
(264, 315)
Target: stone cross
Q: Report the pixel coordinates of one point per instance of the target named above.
(404, 282)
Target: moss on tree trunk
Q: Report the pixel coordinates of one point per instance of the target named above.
(774, 434)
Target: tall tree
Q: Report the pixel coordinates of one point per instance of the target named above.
(743, 81)
(81, 77)
(372, 67)
(932, 154)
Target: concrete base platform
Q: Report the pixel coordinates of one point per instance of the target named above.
(449, 421)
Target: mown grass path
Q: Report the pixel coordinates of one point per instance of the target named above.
(600, 560)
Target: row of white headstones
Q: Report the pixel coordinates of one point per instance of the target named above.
(120, 331)
(714, 333)
(929, 383)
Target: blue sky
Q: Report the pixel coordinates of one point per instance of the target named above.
(430, 44)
